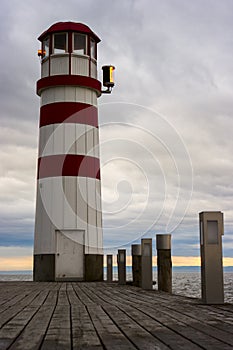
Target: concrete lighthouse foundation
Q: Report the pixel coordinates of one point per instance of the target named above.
(68, 242)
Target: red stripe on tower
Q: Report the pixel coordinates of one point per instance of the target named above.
(68, 112)
(68, 80)
(68, 165)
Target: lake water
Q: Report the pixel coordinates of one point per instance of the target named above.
(185, 280)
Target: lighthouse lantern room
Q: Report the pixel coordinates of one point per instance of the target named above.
(68, 242)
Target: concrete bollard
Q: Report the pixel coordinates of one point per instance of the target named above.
(147, 276)
(136, 264)
(211, 231)
(109, 268)
(121, 261)
(164, 262)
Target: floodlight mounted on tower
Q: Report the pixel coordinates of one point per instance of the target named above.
(108, 79)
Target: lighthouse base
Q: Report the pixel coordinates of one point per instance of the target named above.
(94, 267)
(44, 268)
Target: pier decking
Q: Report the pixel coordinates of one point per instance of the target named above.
(108, 316)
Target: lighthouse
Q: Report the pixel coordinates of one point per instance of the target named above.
(68, 239)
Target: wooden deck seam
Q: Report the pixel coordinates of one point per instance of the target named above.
(171, 329)
(84, 291)
(203, 330)
(71, 322)
(194, 328)
(98, 335)
(57, 335)
(71, 287)
(34, 312)
(43, 338)
(10, 308)
(109, 303)
(19, 299)
(217, 327)
(164, 346)
(162, 324)
(188, 315)
(222, 308)
(104, 307)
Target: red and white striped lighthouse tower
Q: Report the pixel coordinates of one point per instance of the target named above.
(68, 242)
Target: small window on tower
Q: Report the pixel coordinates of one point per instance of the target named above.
(93, 49)
(60, 43)
(45, 47)
(80, 44)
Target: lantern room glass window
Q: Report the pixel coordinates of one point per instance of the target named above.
(80, 44)
(93, 49)
(45, 47)
(60, 43)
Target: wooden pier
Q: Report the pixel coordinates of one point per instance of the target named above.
(108, 316)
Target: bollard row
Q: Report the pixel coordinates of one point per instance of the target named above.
(212, 284)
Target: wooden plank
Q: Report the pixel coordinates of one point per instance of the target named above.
(130, 327)
(58, 335)
(14, 309)
(73, 297)
(8, 294)
(83, 332)
(32, 336)
(81, 295)
(109, 333)
(14, 294)
(225, 307)
(12, 329)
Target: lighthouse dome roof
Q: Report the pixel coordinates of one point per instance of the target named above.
(67, 27)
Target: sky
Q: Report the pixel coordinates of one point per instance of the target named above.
(165, 132)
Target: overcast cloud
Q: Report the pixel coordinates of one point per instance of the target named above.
(166, 128)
